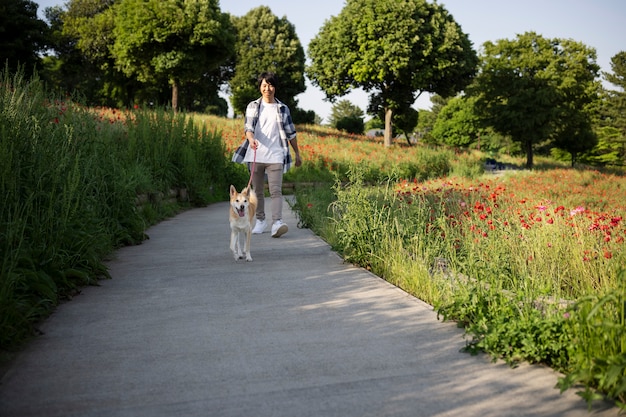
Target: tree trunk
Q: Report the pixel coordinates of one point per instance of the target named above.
(529, 154)
(388, 128)
(175, 96)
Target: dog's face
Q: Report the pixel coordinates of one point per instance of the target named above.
(239, 201)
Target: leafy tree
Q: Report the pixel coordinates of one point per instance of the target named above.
(394, 50)
(266, 43)
(457, 124)
(68, 68)
(618, 77)
(169, 40)
(613, 115)
(23, 36)
(575, 134)
(344, 109)
(90, 24)
(610, 149)
(83, 35)
(536, 89)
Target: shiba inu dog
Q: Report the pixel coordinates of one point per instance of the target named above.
(242, 221)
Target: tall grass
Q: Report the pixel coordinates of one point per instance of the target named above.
(530, 279)
(69, 181)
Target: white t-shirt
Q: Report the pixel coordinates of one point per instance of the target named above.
(267, 132)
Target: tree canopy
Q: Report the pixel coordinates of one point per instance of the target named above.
(22, 34)
(457, 124)
(536, 89)
(344, 109)
(170, 40)
(266, 43)
(615, 109)
(394, 50)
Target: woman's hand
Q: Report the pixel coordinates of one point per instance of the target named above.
(254, 144)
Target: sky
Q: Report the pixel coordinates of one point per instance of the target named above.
(596, 23)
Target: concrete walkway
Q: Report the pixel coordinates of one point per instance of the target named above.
(184, 330)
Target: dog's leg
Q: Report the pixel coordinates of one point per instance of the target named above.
(240, 244)
(247, 247)
(234, 243)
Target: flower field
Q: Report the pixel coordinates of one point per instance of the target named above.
(562, 226)
(531, 263)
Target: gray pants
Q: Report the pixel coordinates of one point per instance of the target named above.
(275, 182)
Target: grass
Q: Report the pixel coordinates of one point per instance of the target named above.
(69, 181)
(531, 264)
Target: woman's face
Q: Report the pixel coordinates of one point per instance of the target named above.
(267, 91)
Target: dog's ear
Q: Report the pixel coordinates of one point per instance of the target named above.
(233, 190)
(246, 191)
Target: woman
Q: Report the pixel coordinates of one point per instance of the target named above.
(269, 130)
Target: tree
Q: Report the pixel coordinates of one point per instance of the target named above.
(23, 36)
(613, 114)
(394, 50)
(169, 40)
(266, 43)
(574, 134)
(343, 109)
(346, 116)
(457, 124)
(610, 150)
(83, 61)
(536, 89)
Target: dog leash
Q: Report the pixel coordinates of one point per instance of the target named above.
(252, 170)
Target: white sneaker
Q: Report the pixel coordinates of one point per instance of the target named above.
(259, 227)
(279, 228)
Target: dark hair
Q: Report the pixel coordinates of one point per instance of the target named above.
(269, 78)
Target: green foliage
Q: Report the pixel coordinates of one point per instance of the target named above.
(266, 43)
(394, 50)
(507, 290)
(23, 36)
(457, 124)
(351, 124)
(598, 361)
(508, 326)
(359, 232)
(535, 89)
(611, 148)
(344, 109)
(170, 41)
(69, 184)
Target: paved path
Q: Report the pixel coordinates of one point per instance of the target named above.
(184, 330)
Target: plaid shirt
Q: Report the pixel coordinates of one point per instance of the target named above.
(286, 128)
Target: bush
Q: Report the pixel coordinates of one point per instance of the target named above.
(351, 124)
